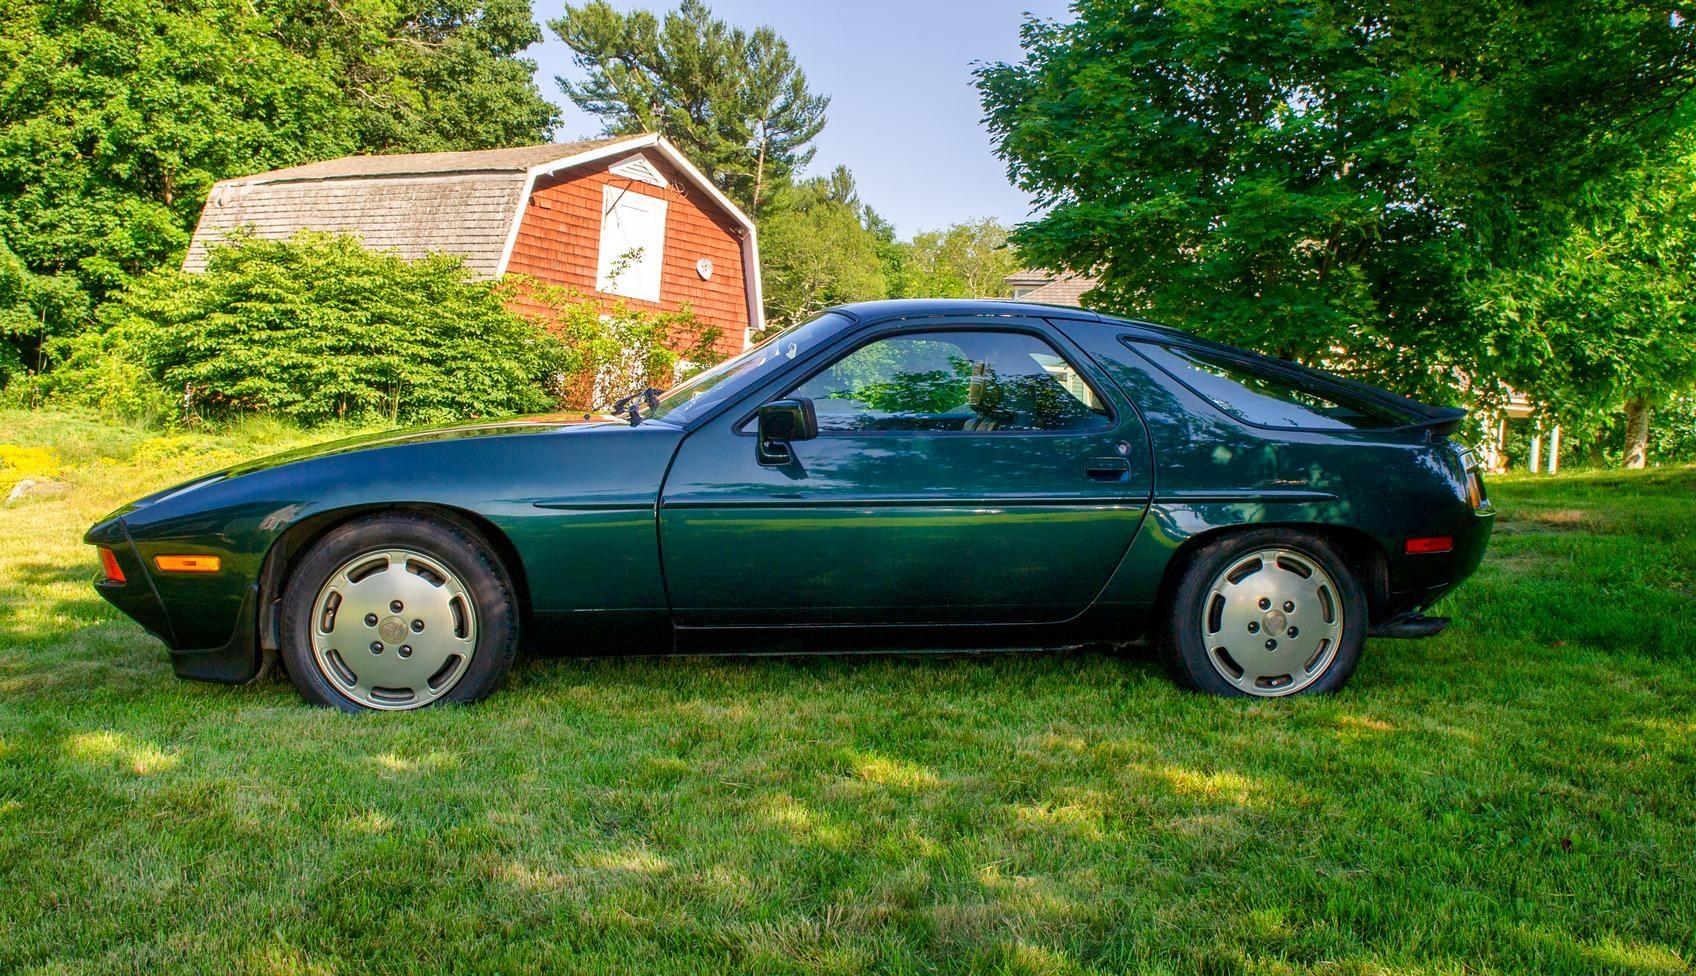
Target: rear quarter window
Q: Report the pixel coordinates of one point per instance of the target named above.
(1267, 396)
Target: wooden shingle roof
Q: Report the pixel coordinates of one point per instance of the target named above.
(1064, 290)
(462, 203)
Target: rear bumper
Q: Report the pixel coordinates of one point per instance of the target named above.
(1418, 581)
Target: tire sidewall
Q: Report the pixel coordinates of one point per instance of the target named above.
(1186, 652)
(462, 553)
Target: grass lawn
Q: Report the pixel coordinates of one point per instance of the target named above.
(1518, 795)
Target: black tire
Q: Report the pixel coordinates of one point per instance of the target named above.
(461, 552)
(1182, 642)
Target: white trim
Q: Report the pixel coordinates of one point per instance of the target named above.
(750, 244)
(751, 284)
(636, 167)
(645, 286)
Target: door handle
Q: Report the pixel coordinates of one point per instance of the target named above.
(1108, 469)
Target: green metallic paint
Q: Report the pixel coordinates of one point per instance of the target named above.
(901, 527)
(1385, 485)
(598, 555)
(897, 539)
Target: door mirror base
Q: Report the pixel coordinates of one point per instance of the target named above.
(779, 423)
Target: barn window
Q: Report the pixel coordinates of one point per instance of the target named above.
(632, 243)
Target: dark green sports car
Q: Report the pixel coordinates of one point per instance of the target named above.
(886, 476)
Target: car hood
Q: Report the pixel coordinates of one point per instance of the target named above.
(506, 427)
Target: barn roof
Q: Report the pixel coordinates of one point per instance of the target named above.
(465, 203)
(1067, 289)
(518, 159)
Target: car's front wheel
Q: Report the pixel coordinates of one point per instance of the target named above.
(398, 611)
(1267, 613)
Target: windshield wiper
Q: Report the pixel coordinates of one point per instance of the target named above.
(627, 405)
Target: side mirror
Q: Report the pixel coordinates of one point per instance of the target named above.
(780, 422)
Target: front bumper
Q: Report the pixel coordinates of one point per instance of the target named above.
(236, 661)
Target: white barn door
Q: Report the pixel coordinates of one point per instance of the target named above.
(632, 244)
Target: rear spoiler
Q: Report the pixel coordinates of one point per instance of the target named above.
(1440, 421)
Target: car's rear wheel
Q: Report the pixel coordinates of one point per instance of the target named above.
(1266, 613)
(398, 611)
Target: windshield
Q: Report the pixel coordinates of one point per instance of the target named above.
(687, 400)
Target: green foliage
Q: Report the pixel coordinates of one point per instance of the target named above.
(1326, 183)
(965, 260)
(426, 75)
(316, 329)
(1674, 438)
(613, 349)
(117, 116)
(735, 101)
(1604, 441)
(1605, 311)
(817, 250)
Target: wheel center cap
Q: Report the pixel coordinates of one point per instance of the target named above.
(1275, 623)
(392, 630)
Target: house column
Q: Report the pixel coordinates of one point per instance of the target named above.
(1555, 449)
(1536, 450)
(1492, 445)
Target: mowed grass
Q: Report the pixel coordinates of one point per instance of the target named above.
(1518, 795)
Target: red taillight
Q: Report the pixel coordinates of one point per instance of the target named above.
(1430, 544)
(109, 566)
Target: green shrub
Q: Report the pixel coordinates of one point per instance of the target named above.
(314, 328)
(617, 349)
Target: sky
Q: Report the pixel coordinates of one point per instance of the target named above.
(903, 114)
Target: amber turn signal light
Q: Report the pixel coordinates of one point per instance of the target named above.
(109, 567)
(1430, 544)
(188, 564)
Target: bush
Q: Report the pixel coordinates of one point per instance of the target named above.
(1672, 431)
(617, 349)
(314, 328)
(18, 462)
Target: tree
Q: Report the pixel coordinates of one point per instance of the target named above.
(735, 101)
(817, 249)
(1604, 317)
(424, 75)
(1322, 181)
(966, 260)
(117, 116)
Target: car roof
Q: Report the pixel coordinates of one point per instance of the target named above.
(916, 307)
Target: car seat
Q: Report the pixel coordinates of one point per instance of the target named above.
(983, 396)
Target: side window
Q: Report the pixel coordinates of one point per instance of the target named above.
(954, 381)
(1267, 397)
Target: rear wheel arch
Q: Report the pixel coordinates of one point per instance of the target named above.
(1363, 554)
(297, 540)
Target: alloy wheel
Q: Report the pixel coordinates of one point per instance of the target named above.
(1272, 622)
(393, 629)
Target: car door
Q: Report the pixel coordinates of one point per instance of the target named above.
(966, 471)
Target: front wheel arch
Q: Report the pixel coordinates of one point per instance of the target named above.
(286, 552)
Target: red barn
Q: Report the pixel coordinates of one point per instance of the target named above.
(624, 218)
